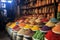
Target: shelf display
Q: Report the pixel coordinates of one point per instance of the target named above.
(59, 7)
(46, 6)
(52, 1)
(43, 2)
(40, 3)
(58, 16)
(36, 20)
(37, 3)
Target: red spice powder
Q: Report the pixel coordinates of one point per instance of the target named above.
(52, 36)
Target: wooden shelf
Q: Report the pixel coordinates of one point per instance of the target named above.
(27, 2)
(39, 6)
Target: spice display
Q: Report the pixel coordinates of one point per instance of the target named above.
(25, 28)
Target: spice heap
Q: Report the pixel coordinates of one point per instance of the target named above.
(38, 35)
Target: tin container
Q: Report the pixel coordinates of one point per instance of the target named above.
(27, 37)
(19, 37)
(10, 31)
(14, 35)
